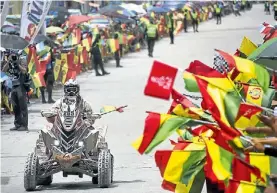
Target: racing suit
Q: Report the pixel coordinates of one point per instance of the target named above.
(88, 115)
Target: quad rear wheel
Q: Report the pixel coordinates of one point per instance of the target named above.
(30, 172)
(105, 169)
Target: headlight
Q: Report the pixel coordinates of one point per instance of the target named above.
(80, 143)
(56, 143)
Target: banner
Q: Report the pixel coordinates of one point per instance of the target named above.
(4, 11)
(32, 18)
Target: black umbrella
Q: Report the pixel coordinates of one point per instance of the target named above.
(13, 42)
(113, 11)
(42, 38)
(61, 14)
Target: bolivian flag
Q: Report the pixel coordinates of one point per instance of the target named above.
(256, 95)
(236, 186)
(195, 185)
(204, 72)
(182, 106)
(157, 128)
(247, 46)
(246, 70)
(180, 166)
(224, 105)
(247, 116)
(37, 76)
(223, 165)
(266, 164)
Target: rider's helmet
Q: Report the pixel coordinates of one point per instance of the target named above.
(71, 89)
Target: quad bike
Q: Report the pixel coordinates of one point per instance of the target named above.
(69, 147)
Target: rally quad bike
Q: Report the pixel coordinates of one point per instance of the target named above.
(69, 147)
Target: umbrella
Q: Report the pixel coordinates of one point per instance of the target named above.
(115, 11)
(78, 19)
(54, 29)
(157, 10)
(124, 20)
(13, 42)
(10, 29)
(61, 14)
(266, 54)
(133, 7)
(42, 38)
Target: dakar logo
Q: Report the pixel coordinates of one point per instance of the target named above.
(164, 82)
(255, 93)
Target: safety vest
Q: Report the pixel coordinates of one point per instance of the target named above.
(120, 37)
(194, 16)
(169, 23)
(186, 15)
(95, 31)
(275, 6)
(151, 31)
(217, 10)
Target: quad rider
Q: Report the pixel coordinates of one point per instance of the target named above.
(71, 96)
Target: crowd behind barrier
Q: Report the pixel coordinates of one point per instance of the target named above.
(68, 46)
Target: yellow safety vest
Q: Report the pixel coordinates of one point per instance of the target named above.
(186, 15)
(194, 16)
(151, 31)
(217, 10)
(120, 37)
(169, 24)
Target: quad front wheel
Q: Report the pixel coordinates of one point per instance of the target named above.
(105, 169)
(45, 181)
(30, 172)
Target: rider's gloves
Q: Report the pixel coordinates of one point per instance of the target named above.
(96, 116)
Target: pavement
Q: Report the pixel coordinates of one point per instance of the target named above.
(133, 173)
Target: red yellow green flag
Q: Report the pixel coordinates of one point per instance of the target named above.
(266, 164)
(202, 71)
(247, 116)
(182, 106)
(157, 128)
(220, 103)
(236, 186)
(223, 165)
(246, 70)
(195, 185)
(247, 46)
(180, 166)
(255, 95)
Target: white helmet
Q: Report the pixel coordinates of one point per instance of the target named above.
(71, 88)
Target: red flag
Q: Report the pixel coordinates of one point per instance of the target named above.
(160, 81)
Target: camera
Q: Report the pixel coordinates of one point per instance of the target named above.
(13, 61)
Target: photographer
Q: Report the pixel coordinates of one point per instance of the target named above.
(17, 70)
